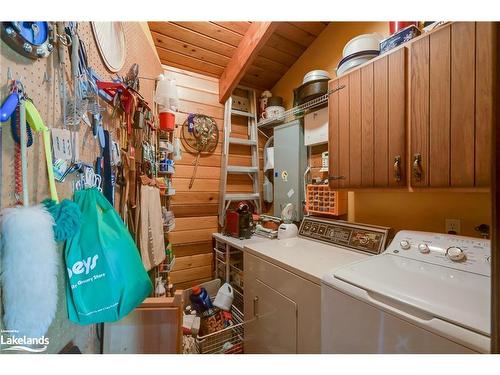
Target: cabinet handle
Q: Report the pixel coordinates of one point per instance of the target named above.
(397, 168)
(417, 167)
(255, 306)
(334, 178)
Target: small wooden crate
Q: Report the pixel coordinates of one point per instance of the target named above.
(321, 200)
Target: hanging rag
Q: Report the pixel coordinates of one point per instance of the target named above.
(150, 230)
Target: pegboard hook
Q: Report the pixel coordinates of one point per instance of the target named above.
(46, 78)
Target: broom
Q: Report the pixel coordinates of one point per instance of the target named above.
(29, 260)
(66, 214)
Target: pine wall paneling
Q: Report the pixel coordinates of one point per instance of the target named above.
(196, 209)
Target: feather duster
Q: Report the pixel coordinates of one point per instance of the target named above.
(29, 269)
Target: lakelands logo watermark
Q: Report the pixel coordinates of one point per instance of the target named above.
(10, 341)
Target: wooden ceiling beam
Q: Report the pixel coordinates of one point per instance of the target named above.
(254, 39)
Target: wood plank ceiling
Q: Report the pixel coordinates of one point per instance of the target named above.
(207, 47)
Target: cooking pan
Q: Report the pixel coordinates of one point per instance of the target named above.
(309, 91)
(276, 101)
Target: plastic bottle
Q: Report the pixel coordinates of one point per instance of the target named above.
(200, 299)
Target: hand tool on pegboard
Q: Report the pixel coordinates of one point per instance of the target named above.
(8, 109)
(1, 164)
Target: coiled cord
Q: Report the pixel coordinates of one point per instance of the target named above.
(15, 129)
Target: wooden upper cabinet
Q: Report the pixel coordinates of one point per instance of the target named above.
(367, 125)
(484, 120)
(447, 115)
(450, 105)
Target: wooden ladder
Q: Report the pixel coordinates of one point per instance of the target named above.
(225, 199)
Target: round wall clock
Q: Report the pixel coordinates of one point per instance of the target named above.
(110, 39)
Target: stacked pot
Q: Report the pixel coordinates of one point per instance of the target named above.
(359, 50)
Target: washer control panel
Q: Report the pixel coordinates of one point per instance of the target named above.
(365, 238)
(459, 252)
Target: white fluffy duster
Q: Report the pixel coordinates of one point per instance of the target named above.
(29, 270)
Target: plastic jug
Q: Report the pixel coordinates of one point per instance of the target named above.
(166, 95)
(224, 298)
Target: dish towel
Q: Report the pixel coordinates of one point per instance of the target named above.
(151, 241)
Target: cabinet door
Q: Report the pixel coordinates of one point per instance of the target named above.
(451, 106)
(367, 134)
(272, 327)
(396, 92)
(462, 104)
(484, 101)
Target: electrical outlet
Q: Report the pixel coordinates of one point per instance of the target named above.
(452, 226)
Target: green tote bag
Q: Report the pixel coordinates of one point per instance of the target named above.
(106, 277)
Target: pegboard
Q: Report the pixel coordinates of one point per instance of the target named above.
(45, 94)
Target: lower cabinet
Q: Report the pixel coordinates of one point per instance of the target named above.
(273, 327)
(282, 309)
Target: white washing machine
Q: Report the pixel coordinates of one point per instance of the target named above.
(427, 293)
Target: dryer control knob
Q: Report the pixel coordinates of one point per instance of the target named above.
(405, 245)
(455, 254)
(423, 248)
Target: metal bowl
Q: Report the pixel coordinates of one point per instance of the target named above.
(315, 75)
(275, 101)
(354, 60)
(310, 90)
(362, 43)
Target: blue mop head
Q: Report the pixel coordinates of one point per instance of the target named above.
(67, 217)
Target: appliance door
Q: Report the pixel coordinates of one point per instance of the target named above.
(355, 322)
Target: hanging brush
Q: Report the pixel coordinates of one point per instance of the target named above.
(29, 259)
(66, 214)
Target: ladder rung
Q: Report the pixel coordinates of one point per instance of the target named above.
(242, 113)
(241, 141)
(240, 169)
(241, 196)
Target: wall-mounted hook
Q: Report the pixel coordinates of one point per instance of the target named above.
(46, 78)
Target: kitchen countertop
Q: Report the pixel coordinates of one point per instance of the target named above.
(308, 259)
(240, 244)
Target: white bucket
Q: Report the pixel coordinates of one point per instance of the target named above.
(224, 298)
